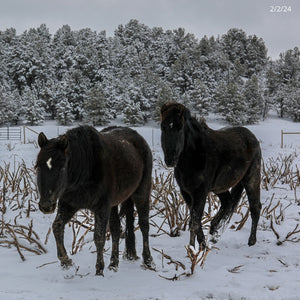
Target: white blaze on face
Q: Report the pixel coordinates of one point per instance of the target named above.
(48, 162)
(171, 125)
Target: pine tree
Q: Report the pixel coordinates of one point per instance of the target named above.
(64, 112)
(280, 99)
(4, 110)
(292, 103)
(256, 55)
(33, 107)
(95, 107)
(232, 104)
(200, 99)
(254, 100)
(133, 114)
(165, 94)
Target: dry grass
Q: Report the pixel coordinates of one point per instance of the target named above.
(168, 206)
(19, 196)
(279, 171)
(169, 214)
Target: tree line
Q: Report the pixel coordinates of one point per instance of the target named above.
(87, 77)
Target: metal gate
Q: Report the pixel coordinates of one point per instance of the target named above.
(10, 133)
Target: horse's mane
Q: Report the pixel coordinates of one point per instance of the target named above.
(81, 154)
(193, 124)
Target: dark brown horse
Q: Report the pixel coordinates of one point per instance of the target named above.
(87, 169)
(224, 161)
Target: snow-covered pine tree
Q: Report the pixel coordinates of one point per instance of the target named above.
(33, 107)
(280, 99)
(64, 111)
(95, 107)
(166, 93)
(292, 102)
(232, 104)
(254, 100)
(133, 114)
(256, 55)
(5, 109)
(199, 98)
(15, 106)
(135, 100)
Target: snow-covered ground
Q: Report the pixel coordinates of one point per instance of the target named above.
(232, 270)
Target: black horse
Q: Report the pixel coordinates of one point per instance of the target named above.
(87, 169)
(222, 161)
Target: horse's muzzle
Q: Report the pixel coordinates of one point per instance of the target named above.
(170, 162)
(47, 208)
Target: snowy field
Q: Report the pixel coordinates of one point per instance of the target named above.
(231, 270)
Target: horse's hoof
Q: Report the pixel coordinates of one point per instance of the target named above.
(99, 273)
(214, 237)
(252, 241)
(66, 263)
(202, 245)
(113, 267)
(130, 256)
(212, 230)
(149, 263)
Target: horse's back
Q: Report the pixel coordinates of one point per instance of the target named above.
(127, 137)
(239, 132)
(236, 139)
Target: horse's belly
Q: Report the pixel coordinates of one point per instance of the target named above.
(124, 193)
(229, 179)
(127, 183)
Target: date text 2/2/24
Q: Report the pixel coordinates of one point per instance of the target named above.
(280, 9)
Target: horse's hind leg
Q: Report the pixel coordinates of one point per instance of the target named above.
(224, 212)
(114, 224)
(229, 201)
(142, 206)
(252, 185)
(130, 251)
(101, 220)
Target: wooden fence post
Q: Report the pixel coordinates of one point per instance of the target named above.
(24, 134)
(282, 133)
(24, 130)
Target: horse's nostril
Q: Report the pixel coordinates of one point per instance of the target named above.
(47, 209)
(170, 162)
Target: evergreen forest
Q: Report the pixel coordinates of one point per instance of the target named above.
(84, 76)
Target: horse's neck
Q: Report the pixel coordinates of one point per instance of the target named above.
(195, 136)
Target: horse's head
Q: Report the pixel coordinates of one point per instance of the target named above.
(51, 171)
(172, 131)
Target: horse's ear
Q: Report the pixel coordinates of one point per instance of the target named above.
(181, 110)
(164, 107)
(42, 140)
(163, 110)
(63, 142)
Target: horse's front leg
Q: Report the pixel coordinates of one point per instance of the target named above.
(188, 200)
(64, 215)
(101, 221)
(196, 213)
